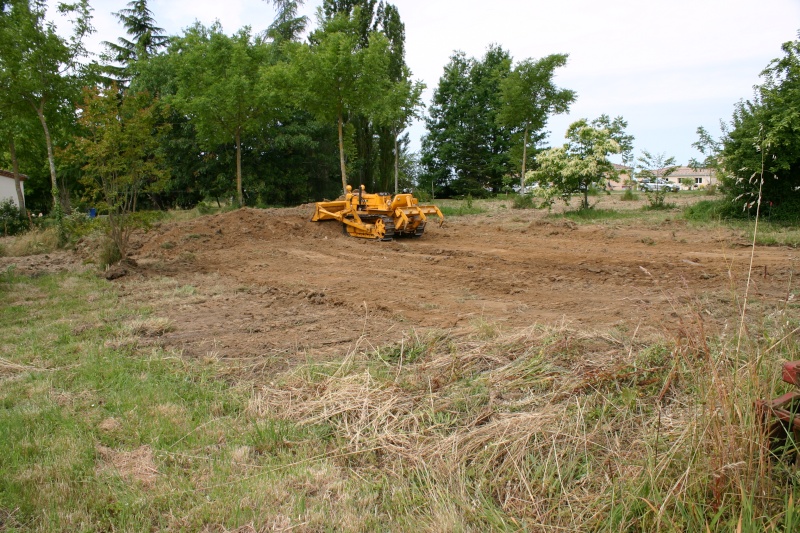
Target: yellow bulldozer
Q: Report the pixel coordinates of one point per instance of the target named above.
(379, 215)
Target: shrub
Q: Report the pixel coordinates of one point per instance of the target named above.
(709, 210)
(524, 201)
(109, 253)
(79, 225)
(788, 212)
(629, 195)
(11, 221)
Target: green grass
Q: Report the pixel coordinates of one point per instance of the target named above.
(592, 215)
(457, 208)
(778, 235)
(720, 212)
(99, 433)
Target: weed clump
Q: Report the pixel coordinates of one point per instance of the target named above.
(524, 201)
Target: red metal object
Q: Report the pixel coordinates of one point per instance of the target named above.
(791, 372)
(781, 416)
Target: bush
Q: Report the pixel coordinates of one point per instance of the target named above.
(524, 201)
(710, 210)
(109, 253)
(11, 221)
(629, 195)
(786, 212)
(79, 225)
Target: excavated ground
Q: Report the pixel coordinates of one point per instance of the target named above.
(269, 283)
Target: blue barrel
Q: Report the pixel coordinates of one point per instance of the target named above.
(92, 212)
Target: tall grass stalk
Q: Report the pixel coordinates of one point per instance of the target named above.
(753, 246)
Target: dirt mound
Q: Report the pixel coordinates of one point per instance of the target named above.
(231, 229)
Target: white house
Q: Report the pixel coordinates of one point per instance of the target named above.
(7, 189)
(701, 178)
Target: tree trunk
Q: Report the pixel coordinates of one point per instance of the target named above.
(396, 164)
(15, 167)
(524, 158)
(51, 159)
(239, 191)
(586, 196)
(341, 155)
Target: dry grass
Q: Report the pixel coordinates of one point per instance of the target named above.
(556, 428)
(37, 241)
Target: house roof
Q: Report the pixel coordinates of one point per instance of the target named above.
(690, 172)
(7, 174)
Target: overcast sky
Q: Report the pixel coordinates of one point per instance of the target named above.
(667, 67)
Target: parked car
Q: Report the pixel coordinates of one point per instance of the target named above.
(659, 184)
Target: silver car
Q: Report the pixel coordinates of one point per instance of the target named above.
(659, 185)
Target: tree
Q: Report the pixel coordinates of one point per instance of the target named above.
(337, 79)
(465, 150)
(583, 160)
(373, 161)
(528, 97)
(219, 86)
(41, 68)
(654, 167)
(119, 154)
(14, 126)
(401, 103)
(762, 141)
(287, 26)
(148, 39)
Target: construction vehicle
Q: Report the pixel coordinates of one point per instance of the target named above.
(377, 216)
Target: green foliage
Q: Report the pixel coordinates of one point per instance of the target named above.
(710, 210)
(654, 167)
(336, 78)
(11, 220)
(119, 155)
(590, 215)
(148, 40)
(41, 70)
(528, 97)
(79, 225)
(762, 143)
(464, 207)
(583, 161)
(629, 196)
(466, 151)
(218, 84)
(109, 254)
(524, 201)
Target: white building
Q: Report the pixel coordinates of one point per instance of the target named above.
(7, 189)
(701, 178)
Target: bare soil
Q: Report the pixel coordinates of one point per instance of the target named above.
(256, 283)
